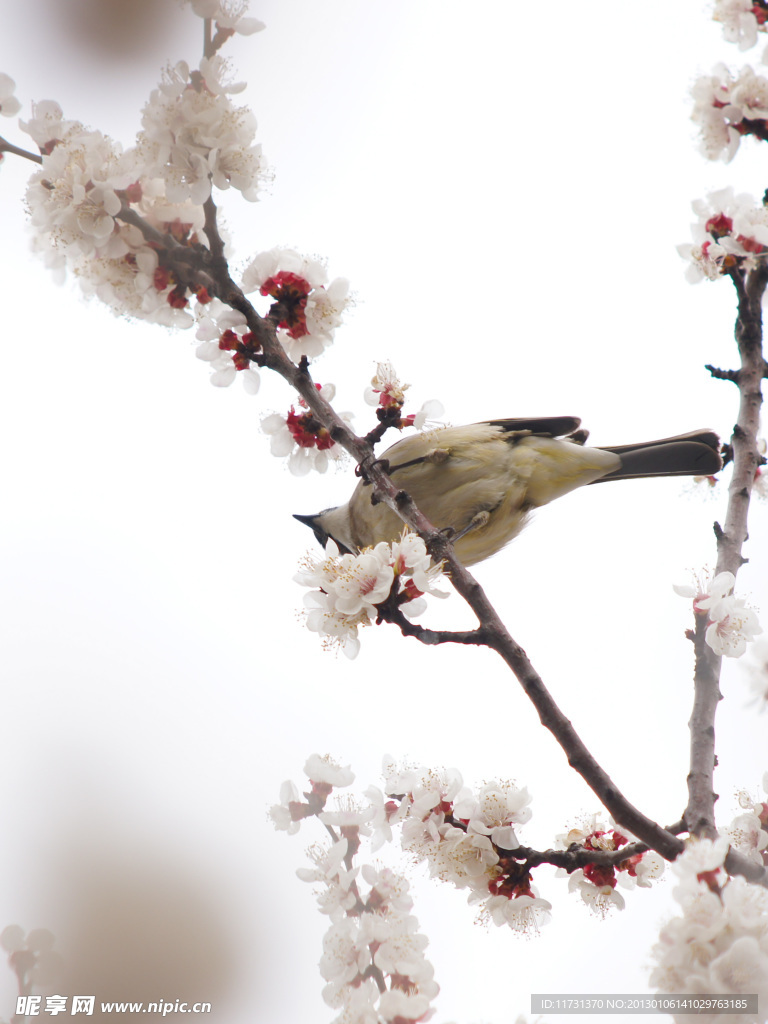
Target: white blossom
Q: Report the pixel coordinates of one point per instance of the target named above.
(47, 125)
(731, 230)
(310, 308)
(599, 898)
(732, 625)
(494, 811)
(747, 836)
(719, 942)
(370, 931)
(193, 136)
(322, 768)
(350, 587)
(738, 20)
(73, 197)
(300, 438)
(220, 329)
(386, 388)
(716, 115)
(9, 105)
(280, 814)
(227, 14)
(525, 913)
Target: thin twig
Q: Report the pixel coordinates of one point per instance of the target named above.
(8, 147)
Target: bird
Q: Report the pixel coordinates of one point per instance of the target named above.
(479, 483)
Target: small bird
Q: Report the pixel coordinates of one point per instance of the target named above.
(479, 483)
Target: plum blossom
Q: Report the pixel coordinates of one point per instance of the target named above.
(494, 811)
(9, 105)
(226, 342)
(81, 202)
(349, 588)
(193, 136)
(726, 108)
(719, 942)
(597, 883)
(73, 199)
(432, 807)
(599, 897)
(47, 126)
(373, 960)
(282, 814)
(715, 115)
(388, 392)
(732, 230)
(386, 388)
(228, 14)
(378, 938)
(303, 439)
(322, 768)
(741, 20)
(306, 308)
(732, 625)
(747, 835)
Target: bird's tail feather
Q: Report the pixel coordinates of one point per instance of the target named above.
(693, 454)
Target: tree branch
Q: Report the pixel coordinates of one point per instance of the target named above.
(700, 812)
(495, 634)
(8, 147)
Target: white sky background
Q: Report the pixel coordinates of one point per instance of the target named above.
(504, 186)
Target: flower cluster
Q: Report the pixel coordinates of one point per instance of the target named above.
(726, 108)
(741, 20)
(306, 308)
(748, 832)
(227, 346)
(302, 438)
(127, 223)
(229, 15)
(732, 625)
(193, 136)
(350, 587)
(388, 393)
(719, 943)
(597, 883)
(731, 231)
(373, 959)
(466, 839)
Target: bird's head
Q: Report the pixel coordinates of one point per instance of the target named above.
(333, 524)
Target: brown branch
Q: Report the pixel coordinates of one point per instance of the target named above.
(129, 216)
(700, 812)
(388, 611)
(496, 635)
(699, 815)
(208, 50)
(8, 147)
(576, 856)
(732, 375)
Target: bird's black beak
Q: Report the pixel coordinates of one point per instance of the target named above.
(312, 522)
(307, 520)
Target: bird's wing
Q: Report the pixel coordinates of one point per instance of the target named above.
(552, 426)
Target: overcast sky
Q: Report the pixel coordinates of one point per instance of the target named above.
(504, 185)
